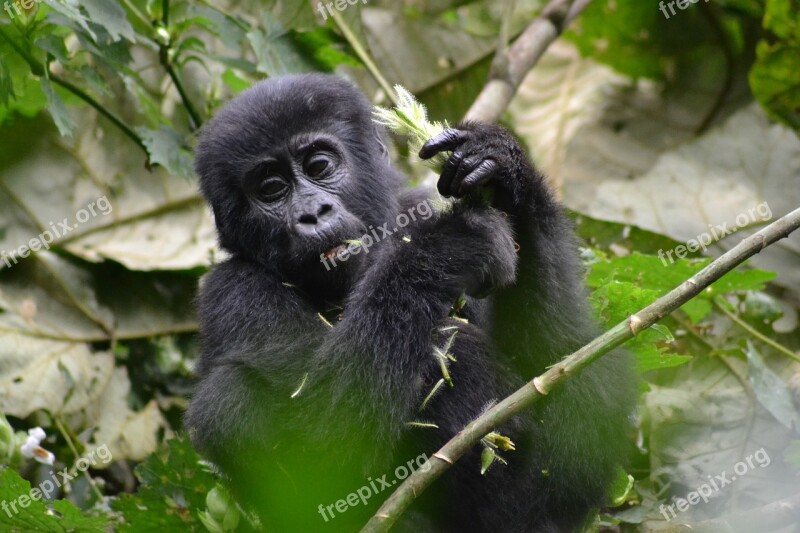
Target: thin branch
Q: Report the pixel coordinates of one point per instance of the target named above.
(510, 67)
(127, 130)
(730, 67)
(720, 304)
(364, 55)
(194, 116)
(74, 450)
(166, 62)
(418, 481)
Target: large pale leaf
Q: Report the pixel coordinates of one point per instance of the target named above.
(128, 434)
(157, 221)
(61, 377)
(720, 178)
(83, 388)
(705, 423)
(628, 153)
(49, 297)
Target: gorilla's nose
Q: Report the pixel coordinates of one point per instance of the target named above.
(315, 220)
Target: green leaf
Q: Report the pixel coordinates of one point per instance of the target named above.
(617, 300)
(761, 308)
(782, 18)
(743, 280)
(173, 490)
(70, 9)
(621, 487)
(487, 459)
(54, 45)
(111, 16)
(166, 148)
(57, 109)
(775, 81)
(230, 33)
(36, 516)
(321, 46)
(234, 82)
(638, 39)
(651, 273)
(275, 51)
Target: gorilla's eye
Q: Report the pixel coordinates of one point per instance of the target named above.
(317, 165)
(271, 188)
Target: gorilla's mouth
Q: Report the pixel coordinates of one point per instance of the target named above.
(333, 252)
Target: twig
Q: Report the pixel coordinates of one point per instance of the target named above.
(754, 332)
(418, 481)
(364, 56)
(127, 130)
(510, 68)
(166, 62)
(74, 451)
(730, 67)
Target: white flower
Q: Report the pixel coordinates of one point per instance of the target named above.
(37, 433)
(32, 449)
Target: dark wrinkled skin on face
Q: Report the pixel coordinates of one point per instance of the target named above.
(299, 415)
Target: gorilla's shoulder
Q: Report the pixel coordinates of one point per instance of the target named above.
(237, 278)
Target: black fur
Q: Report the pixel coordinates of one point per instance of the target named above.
(262, 331)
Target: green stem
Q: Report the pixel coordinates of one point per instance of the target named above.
(364, 56)
(127, 130)
(720, 304)
(74, 450)
(194, 116)
(163, 56)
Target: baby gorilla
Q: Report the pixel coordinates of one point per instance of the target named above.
(316, 374)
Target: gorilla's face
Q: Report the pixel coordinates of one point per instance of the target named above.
(302, 190)
(292, 173)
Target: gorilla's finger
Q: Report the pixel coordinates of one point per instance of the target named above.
(467, 166)
(446, 141)
(480, 176)
(451, 166)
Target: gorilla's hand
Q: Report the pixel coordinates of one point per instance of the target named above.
(483, 155)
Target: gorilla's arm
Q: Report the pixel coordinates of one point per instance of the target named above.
(257, 335)
(380, 355)
(544, 316)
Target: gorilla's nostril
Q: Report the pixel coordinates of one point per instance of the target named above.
(325, 211)
(306, 218)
